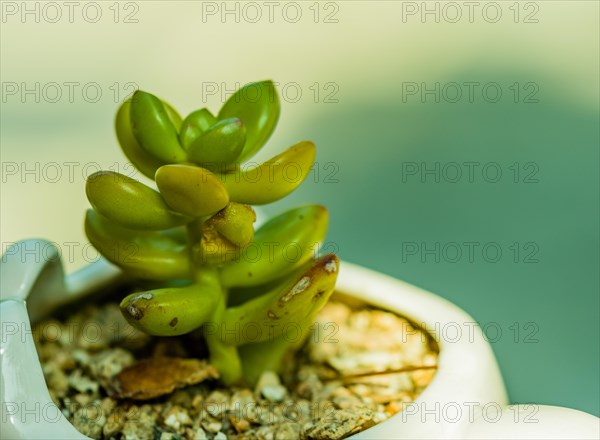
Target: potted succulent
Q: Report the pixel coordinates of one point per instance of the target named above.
(187, 246)
(197, 229)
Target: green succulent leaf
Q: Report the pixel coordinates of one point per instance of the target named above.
(191, 190)
(194, 125)
(269, 354)
(257, 105)
(143, 161)
(220, 145)
(130, 203)
(174, 115)
(225, 233)
(234, 223)
(146, 255)
(274, 179)
(154, 129)
(295, 304)
(282, 244)
(173, 311)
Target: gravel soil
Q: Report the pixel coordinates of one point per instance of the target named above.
(358, 367)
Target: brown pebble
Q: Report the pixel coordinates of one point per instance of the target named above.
(240, 425)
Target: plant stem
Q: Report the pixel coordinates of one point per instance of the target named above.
(223, 357)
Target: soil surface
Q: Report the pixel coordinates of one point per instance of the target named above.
(358, 367)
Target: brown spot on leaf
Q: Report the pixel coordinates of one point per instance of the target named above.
(135, 312)
(173, 322)
(155, 377)
(272, 315)
(317, 295)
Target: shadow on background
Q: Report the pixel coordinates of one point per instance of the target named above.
(538, 299)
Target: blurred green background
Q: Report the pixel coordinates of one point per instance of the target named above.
(360, 68)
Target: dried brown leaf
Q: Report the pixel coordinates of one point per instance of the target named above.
(156, 377)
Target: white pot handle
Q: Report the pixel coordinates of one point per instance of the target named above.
(31, 271)
(27, 410)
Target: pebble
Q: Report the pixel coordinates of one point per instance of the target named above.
(140, 424)
(341, 423)
(216, 403)
(240, 425)
(176, 418)
(114, 424)
(106, 364)
(265, 433)
(288, 430)
(241, 401)
(199, 434)
(89, 420)
(82, 357)
(310, 385)
(269, 387)
(82, 383)
(212, 426)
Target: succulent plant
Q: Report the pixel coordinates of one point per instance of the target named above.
(253, 294)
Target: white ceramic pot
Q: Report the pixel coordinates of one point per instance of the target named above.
(466, 398)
